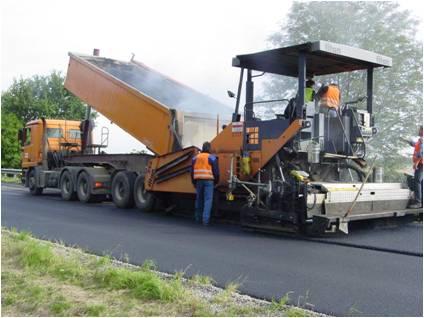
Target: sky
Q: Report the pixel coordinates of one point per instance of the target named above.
(191, 41)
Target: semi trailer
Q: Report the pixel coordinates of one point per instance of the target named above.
(300, 171)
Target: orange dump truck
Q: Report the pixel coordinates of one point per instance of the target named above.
(158, 111)
(302, 170)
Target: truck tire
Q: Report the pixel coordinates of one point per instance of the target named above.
(123, 189)
(67, 187)
(144, 200)
(84, 191)
(32, 183)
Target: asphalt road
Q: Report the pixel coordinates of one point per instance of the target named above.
(384, 235)
(336, 279)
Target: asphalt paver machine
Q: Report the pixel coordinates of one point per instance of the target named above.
(307, 170)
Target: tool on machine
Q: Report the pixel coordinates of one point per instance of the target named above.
(343, 225)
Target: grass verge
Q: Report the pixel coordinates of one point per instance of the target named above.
(7, 179)
(40, 278)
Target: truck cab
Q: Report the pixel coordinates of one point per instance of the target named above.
(58, 136)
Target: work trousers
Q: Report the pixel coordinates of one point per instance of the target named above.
(204, 198)
(418, 187)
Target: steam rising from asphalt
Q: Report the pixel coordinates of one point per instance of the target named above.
(161, 88)
(196, 113)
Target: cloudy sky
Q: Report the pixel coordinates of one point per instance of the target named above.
(191, 41)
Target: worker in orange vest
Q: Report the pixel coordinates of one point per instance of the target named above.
(417, 160)
(204, 175)
(329, 97)
(309, 97)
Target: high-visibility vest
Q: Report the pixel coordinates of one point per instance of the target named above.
(309, 94)
(202, 168)
(331, 98)
(418, 153)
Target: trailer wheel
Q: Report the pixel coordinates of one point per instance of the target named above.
(144, 200)
(122, 189)
(32, 183)
(84, 191)
(67, 187)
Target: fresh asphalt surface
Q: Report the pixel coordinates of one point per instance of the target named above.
(336, 279)
(386, 236)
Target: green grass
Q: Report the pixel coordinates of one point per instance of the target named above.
(149, 265)
(94, 310)
(202, 279)
(40, 278)
(232, 287)
(225, 296)
(60, 307)
(295, 312)
(281, 303)
(37, 256)
(23, 235)
(143, 284)
(7, 179)
(27, 296)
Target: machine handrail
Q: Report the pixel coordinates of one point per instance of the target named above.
(267, 101)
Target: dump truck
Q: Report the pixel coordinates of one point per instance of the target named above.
(300, 171)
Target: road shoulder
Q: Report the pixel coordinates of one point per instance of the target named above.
(43, 278)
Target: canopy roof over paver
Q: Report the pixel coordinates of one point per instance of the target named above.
(322, 58)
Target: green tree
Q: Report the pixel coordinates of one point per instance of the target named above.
(41, 96)
(32, 98)
(381, 27)
(10, 154)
